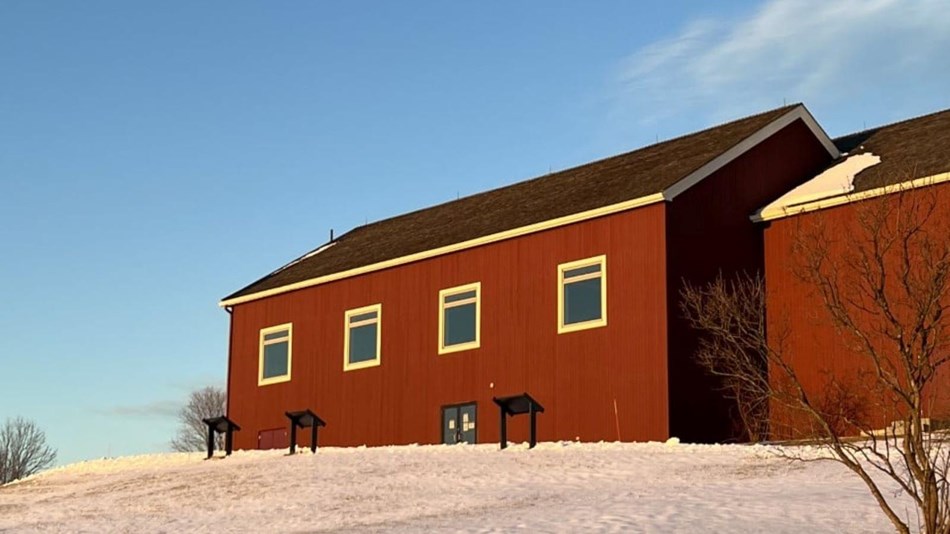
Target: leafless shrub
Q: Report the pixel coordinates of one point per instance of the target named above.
(884, 285)
(732, 314)
(192, 431)
(23, 450)
(889, 294)
(840, 403)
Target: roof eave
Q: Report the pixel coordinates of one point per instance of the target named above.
(447, 249)
(766, 215)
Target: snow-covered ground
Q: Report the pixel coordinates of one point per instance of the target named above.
(557, 487)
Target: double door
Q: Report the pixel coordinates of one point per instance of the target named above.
(458, 423)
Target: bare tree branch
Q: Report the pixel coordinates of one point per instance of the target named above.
(192, 431)
(23, 450)
(732, 314)
(884, 285)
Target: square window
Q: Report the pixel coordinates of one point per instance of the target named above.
(460, 318)
(363, 333)
(275, 354)
(582, 294)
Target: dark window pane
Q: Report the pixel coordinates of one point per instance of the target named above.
(275, 359)
(362, 317)
(276, 335)
(582, 301)
(459, 324)
(460, 296)
(582, 270)
(363, 343)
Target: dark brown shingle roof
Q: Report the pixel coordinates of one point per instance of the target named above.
(914, 148)
(636, 174)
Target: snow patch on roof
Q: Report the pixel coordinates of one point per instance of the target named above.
(835, 181)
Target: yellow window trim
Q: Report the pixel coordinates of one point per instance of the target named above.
(261, 381)
(378, 308)
(561, 269)
(477, 287)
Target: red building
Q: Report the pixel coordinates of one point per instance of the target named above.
(909, 159)
(565, 286)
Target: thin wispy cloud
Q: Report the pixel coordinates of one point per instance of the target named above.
(192, 383)
(161, 409)
(818, 51)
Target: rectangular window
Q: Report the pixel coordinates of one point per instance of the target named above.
(460, 318)
(361, 345)
(582, 294)
(275, 354)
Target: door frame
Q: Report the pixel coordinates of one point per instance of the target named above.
(457, 405)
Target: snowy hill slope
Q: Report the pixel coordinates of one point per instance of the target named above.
(557, 487)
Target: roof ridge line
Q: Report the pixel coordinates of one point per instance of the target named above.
(575, 167)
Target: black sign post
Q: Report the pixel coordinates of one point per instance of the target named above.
(304, 419)
(221, 425)
(517, 405)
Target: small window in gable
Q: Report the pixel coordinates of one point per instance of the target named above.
(460, 318)
(361, 345)
(582, 294)
(275, 354)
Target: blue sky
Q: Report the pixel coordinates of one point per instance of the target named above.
(156, 157)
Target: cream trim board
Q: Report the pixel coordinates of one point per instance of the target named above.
(581, 278)
(378, 308)
(289, 328)
(799, 112)
(561, 269)
(477, 288)
(472, 243)
(849, 198)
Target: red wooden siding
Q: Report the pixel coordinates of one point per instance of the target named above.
(817, 350)
(708, 232)
(274, 438)
(576, 376)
